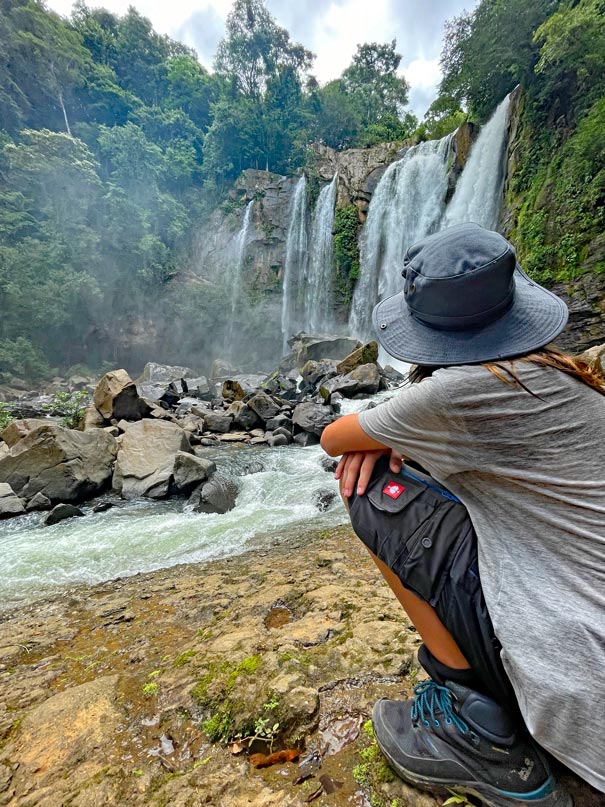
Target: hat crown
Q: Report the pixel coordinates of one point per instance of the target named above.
(460, 278)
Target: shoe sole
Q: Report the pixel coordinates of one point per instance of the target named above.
(492, 797)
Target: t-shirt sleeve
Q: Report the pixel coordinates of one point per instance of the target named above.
(418, 421)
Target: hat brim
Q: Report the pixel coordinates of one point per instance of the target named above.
(536, 317)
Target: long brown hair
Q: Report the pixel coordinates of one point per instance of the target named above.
(588, 372)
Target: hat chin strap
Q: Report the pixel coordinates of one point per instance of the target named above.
(470, 322)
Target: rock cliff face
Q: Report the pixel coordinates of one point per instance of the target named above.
(359, 172)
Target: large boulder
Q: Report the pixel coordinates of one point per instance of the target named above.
(243, 417)
(221, 370)
(367, 354)
(116, 397)
(60, 512)
(314, 371)
(217, 495)
(217, 421)
(145, 463)
(63, 464)
(10, 504)
(307, 346)
(17, 429)
(312, 417)
(364, 379)
(190, 470)
(264, 406)
(156, 377)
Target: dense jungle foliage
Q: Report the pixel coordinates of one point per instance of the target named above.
(115, 142)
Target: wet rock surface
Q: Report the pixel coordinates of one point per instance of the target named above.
(147, 690)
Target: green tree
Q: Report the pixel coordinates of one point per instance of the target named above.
(256, 48)
(373, 83)
(489, 51)
(571, 66)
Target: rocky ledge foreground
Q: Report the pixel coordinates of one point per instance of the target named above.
(159, 689)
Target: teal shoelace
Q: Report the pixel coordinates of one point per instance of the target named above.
(431, 700)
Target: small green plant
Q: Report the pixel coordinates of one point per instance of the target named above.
(69, 405)
(457, 798)
(150, 689)
(5, 416)
(184, 658)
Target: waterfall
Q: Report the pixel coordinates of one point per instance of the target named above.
(236, 278)
(478, 194)
(296, 262)
(407, 204)
(318, 292)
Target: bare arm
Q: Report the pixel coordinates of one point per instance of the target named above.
(361, 453)
(345, 435)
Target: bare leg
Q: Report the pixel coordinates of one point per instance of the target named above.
(423, 616)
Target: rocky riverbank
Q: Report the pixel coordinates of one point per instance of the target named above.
(148, 690)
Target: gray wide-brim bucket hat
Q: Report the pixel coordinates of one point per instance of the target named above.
(466, 300)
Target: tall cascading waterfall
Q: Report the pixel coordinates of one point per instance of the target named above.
(478, 194)
(318, 292)
(407, 204)
(235, 278)
(296, 263)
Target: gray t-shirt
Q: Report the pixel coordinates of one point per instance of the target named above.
(531, 471)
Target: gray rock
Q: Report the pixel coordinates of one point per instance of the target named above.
(17, 429)
(60, 512)
(10, 504)
(190, 470)
(276, 440)
(156, 377)
(197, 387)
(93, 419)
(116, 397)
(316, 348)
(323, 498)
(306, 439)
(329, 464)
(279, 421)
(102, 507)
(217, 421)
(38, 502)
(64, 464)
(368, 354)
(264, 406)
(281, 432)
(243, 417)
(312, 417)
(314, 371)
(217, 495)
(146, 459)
(364, 379)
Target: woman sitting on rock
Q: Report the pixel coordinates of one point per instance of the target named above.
(515, 433)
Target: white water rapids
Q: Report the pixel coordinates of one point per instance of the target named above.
(143, 536)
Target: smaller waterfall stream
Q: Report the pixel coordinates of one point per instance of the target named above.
(318, 292)
(296, 262)
(236, 277)
(478, 194)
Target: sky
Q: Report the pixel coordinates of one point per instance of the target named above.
(331, 29)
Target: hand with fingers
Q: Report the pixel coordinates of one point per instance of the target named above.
(355, 469)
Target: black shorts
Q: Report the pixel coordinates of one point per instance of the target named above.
(425, 536)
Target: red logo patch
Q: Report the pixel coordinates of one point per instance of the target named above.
(393, 490)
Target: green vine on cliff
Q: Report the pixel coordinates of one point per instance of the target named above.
(346, 253)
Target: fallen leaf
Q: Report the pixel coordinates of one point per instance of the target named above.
(314, 795)
(265, 760)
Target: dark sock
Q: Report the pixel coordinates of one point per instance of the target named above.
(440, 673)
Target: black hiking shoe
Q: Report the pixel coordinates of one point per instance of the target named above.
(453, 737)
